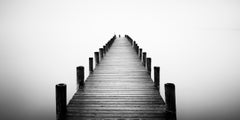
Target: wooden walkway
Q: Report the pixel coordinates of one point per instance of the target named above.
(119, 88)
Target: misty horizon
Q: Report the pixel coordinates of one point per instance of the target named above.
(196, 44)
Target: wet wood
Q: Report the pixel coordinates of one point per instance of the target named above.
(120, 88)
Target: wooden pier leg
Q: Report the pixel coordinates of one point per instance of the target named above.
(61, 101)
(101, 53)
(170, 101)
(157, 77)
(104, 49)
(137, 49)
(96, 55)
(90, 65)
(80, 77)
(149, 66)
(140, 54)
(107, 46)
(144, 58)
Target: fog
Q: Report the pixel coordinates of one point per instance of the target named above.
(195, 42)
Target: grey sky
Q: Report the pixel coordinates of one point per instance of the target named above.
(196, 43)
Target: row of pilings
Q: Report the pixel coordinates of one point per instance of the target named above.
(170, 98)
(61, 89)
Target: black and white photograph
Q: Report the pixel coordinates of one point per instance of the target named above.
(119, 59)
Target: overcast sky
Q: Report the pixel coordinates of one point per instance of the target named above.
(195, 42)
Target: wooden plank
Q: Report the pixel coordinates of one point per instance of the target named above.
(119, 88)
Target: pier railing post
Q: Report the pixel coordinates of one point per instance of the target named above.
(170, 101)
(144, 59)
(129, 39)
(140, 54)
(90, 65)
(101, 53)
(96, 55)
(80, 77)
(104, 49)
(137, 49)
(149, 66)
(157, 77)
(61, 101)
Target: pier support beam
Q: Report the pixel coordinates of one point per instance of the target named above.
(80, 77)
(61, 101)
(101, 53)
(137, 49)
(140, 54)
(144, 59)
(149, 66)
(170, 101)
(96, 55)
(90, 65)
(157, 77)
(104, 49)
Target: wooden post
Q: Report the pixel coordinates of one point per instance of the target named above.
(144, 58)
(140, 54)
(149, 66)
(104, 49)
(96, 55)
(137, 49)
(90, 65)
(157, 77)
(107, 45)
(101, 53)
(61, 101)
(170, 101)
(80, 77)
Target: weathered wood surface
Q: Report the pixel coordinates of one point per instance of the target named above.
(120, 88)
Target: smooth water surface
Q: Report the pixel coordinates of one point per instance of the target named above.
(196, 44)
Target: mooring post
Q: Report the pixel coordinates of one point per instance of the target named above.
(170, 101)
(107, 46)
(149, 66)
(140, 54)
(80, 77)
(104, 49)
(137, 49)
(61, 101)
(144, 59)
(90, 65)
(135, 46)
(101, 53)
(96, 55)
(157, 77)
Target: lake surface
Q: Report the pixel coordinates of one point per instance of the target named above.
(196, 44)
(204, 66)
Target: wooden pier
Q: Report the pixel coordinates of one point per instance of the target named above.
(120, 87)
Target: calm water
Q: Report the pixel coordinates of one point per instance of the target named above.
(203, 65)
(196, 44)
